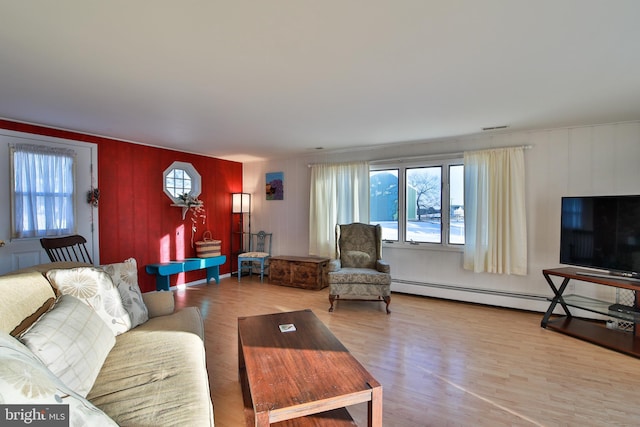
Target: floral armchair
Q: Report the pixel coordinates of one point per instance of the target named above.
(358, 269)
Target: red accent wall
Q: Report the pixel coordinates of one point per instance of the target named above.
(136, 218)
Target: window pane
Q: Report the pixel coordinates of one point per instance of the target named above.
(456, 205)
(383, 204)
(178, 182)
(424, 203)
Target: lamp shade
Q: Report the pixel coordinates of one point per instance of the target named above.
(240, 203)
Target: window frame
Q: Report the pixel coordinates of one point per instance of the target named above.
(196, 180)
(401, 166)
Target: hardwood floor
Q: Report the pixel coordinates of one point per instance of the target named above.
(441, 363)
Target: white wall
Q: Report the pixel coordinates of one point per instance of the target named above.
(589, 160)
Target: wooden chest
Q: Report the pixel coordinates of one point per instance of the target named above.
(307, 272)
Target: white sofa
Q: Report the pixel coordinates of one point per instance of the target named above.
(64, 340)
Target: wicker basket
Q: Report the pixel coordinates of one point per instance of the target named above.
(207, 247)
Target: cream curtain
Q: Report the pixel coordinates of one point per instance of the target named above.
(339, 195)
(43, 181)
(495, 216)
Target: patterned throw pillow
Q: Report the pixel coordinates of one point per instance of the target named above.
(72, 341)
(25, 380)
(94, 287)
(125, 277)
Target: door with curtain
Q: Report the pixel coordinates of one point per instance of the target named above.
(26, 252)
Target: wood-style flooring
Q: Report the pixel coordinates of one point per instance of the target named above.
(441, 363)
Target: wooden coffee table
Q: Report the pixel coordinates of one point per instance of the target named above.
(287, 375)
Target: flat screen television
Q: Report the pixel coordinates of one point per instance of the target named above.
(602, 232)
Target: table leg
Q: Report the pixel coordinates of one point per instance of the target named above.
(375, 407)
(556, 299)
(213, 272)
(162, 283)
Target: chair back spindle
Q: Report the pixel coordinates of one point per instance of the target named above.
(68, 248)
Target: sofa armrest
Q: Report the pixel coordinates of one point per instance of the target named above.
(383, 266)
(335, 265)
(159, 303)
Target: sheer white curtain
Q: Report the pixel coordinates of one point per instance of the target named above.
(42, 193)
(339, 195)
(495, 216)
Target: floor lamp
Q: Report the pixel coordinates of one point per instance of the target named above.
(240, 208)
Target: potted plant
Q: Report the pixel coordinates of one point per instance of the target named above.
(196, 208)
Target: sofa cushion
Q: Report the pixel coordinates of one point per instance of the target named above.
(188, 319)
(367, 276)
(94, 287)
(25, 380)
(168, 386)
(356, 259)
(159, 303)
(72, 341)
(25, 297)
(125, 277)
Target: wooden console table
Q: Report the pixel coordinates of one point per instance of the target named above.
(307, 272)
(164, 270)
(588, 330)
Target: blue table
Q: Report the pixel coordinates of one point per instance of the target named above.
(164, 270)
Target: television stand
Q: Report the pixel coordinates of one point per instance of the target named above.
(590, 330)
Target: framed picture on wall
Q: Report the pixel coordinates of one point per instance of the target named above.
(275, 185)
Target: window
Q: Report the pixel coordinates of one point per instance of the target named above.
(431, 195)
(181, 178)
(43, 181)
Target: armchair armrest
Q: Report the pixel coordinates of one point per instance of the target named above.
(383, 266)
(335, 265)
(159, 303)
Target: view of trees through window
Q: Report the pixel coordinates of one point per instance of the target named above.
(432, 197)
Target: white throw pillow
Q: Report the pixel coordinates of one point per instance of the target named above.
(94, 287)
(125, 277)
(72, 341)
(24, 380)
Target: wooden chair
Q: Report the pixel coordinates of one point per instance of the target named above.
(68, 248)
(259, 251)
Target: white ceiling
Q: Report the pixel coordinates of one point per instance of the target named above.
(240, 79)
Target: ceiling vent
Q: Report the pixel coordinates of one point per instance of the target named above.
(495, 127)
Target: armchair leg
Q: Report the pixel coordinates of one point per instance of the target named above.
(387, 301)
(332, 298)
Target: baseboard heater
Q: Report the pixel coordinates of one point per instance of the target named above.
(473, 290)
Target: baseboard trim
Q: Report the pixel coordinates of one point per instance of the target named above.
(471, 289)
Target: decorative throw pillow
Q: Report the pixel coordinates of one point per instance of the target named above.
(94, 287)
(125, 277)
(25, 380)
(357, 259)
(72, 341)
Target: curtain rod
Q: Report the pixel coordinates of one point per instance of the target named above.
(433, 156)
(441, 155)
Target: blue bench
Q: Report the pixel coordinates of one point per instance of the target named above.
(164, 270)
